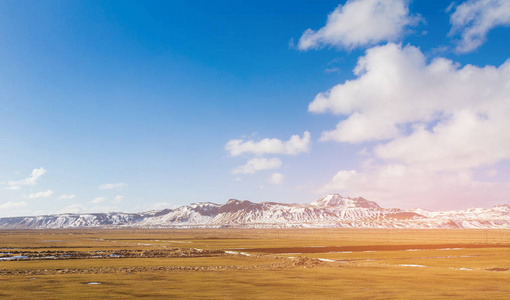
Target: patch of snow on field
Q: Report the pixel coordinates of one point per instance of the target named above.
(325, 259)
(451, 249)
(417, 266)
(461, 269)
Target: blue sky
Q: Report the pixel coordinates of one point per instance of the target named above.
(130, 105)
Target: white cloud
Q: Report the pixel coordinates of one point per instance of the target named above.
(466, 140)
(65, 196)
(277, 178)
(258, 164)
(396, 88)
(118, 199)
(435, 123)
(45, 194)
(113, 186)
(295, 145)
(12, 205)
(30, 180)
(98, 200)
(473, 19)
(360, 23)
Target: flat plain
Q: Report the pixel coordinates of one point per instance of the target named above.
(254, 264)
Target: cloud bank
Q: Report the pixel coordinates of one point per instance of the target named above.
(435, 122)
(396, 88)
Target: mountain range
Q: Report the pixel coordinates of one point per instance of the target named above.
(330, 211)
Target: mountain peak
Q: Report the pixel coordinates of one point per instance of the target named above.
(233, 205)
(336, 200)
(234, 201)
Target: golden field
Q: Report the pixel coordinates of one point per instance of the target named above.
(259, 264)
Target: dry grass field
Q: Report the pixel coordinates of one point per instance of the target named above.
(255, 264)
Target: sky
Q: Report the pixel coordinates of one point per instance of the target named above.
(139, 105)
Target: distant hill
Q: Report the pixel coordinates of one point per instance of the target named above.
(331, 211)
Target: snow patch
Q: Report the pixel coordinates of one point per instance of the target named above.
(325, 259)
(416, 266)
(451, 249)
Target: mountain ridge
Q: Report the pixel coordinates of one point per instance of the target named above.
(330, 211)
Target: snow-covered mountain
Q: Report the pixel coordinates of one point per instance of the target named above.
(329, 211)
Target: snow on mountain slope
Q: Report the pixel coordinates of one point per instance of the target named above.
(71, 220)
(329, 211)
(335, 200)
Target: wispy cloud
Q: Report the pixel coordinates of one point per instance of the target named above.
(66, 196)
(98, 200)
(113, 186)
(30, 180)
(45, 194)
(12, 205)
(473, 19)
(258, 164)
(295, 145)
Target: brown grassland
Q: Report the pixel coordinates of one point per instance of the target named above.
(260, 264)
